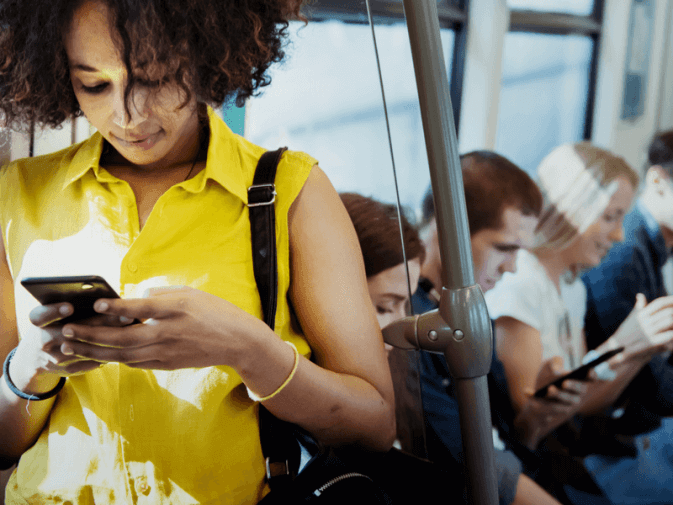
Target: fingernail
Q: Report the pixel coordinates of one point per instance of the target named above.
(67, 350)
(67, 332)
(102, 306)
(64, 310)
(124, 319)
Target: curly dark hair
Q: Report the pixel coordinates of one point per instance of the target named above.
(216, 49)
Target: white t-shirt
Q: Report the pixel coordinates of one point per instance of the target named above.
(531, 297)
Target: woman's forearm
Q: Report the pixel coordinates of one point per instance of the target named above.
(22, 421)
(603, 394)
(338, 408)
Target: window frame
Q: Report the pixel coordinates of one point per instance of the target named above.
(552, 23)
(453, 15)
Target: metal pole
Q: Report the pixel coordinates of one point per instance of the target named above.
(462, 305)
(440, 139)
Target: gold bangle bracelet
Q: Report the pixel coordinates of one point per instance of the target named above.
(256, 398)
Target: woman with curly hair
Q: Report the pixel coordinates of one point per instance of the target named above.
(156, 203)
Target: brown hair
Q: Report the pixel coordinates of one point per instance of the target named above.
(660, 151)
(215, 49)
(492, 183)
(378, 231)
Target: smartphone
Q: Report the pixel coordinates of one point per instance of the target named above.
(579, 373)
(81, 291)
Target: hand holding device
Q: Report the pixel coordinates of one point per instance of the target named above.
(39, 356)
(183, 328)
(80, 291)
(580, 373)
(64, 300)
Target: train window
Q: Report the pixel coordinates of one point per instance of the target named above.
(548, 77)
(326, 100)
(544, 94)
(576, 7)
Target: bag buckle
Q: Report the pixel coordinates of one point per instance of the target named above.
(276, 468)
(264, 190)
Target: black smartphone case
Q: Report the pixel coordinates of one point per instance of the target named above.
(80, 291)
(580, 373)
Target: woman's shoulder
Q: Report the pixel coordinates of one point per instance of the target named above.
(293, 165)
(293, 169)
(41, 171)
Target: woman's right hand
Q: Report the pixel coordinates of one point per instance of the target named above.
(38, 363)
(540, 416)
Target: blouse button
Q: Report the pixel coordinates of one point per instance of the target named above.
(133, 267)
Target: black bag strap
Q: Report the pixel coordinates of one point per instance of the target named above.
(279, 446)
(261, 198)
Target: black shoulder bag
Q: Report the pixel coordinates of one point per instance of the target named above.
(331, 476)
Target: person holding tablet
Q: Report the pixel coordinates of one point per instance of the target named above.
(156, 203)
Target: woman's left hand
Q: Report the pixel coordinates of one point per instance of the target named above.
(182, 328)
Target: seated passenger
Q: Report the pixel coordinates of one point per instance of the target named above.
(377, 227)
(539, 309)
(632, 269)
(502, 207)
(634, 266)
(378, 230)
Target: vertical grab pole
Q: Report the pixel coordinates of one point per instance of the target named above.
(462, 305)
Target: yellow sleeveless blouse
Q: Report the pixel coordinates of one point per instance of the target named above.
(118, 435)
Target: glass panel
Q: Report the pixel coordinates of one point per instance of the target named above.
(544, 95)
(326, 100)
(576, 7)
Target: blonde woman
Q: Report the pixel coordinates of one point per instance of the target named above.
(539, 310)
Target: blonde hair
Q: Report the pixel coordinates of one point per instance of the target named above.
(577, 181)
